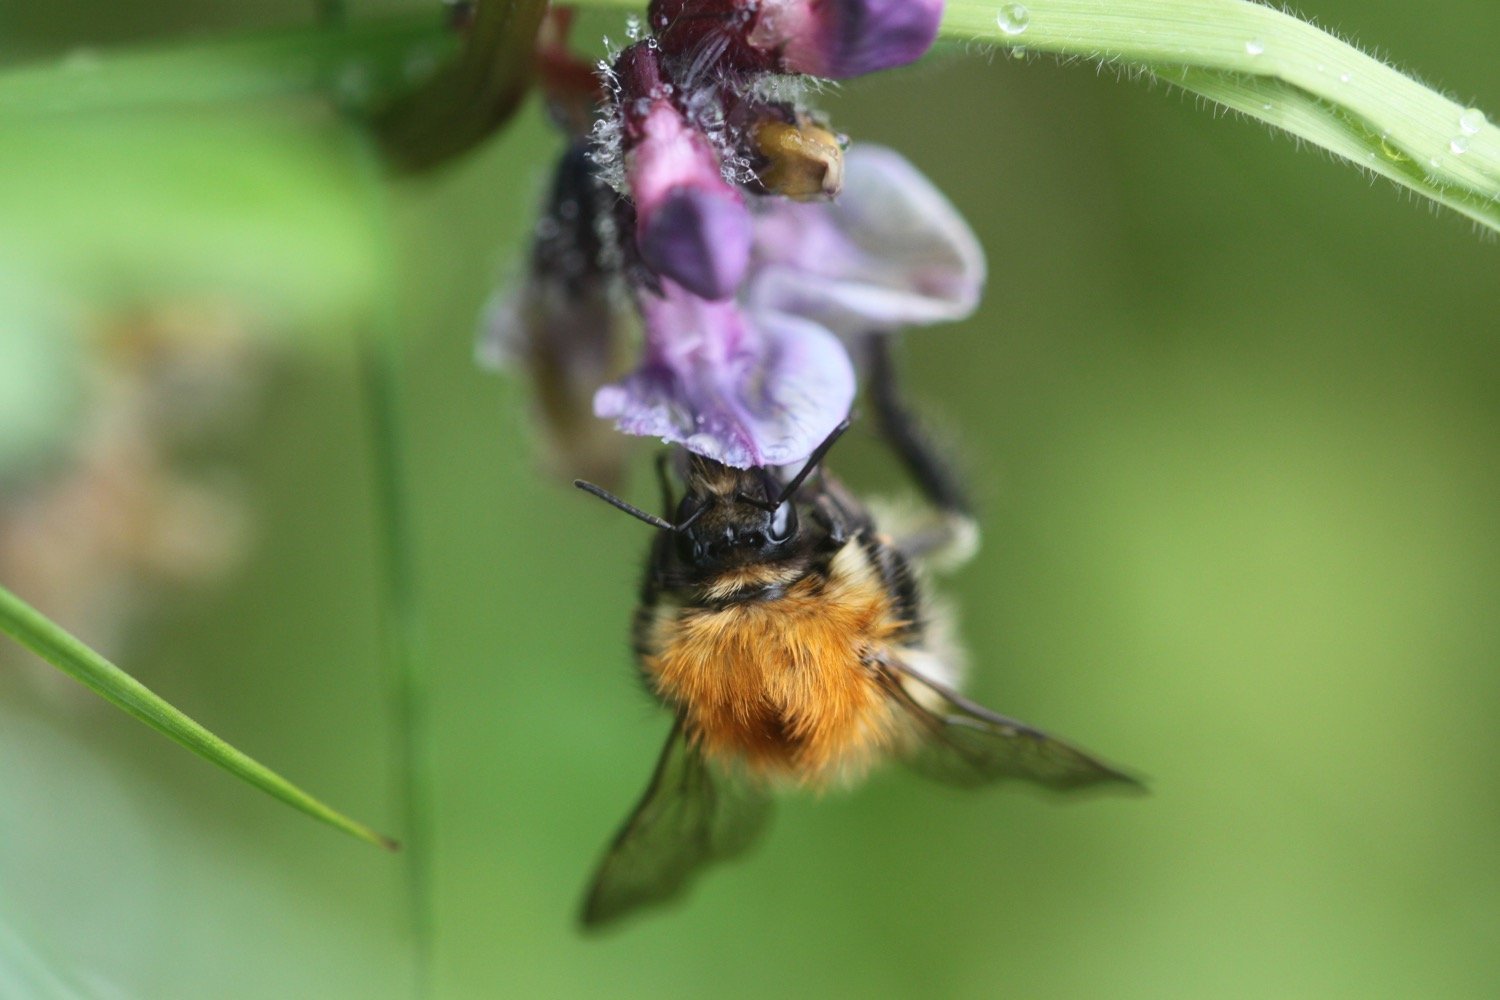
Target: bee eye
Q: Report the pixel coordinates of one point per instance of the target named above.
(784, 522)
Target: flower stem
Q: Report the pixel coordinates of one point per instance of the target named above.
(380, 355)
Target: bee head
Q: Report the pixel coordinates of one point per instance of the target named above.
(730, 516)
(734, 517)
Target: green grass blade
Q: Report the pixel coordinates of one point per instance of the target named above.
(44, 637)
(1303, 115)
(381, 354)
(1271, 66)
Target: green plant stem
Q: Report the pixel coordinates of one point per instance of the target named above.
(52, 643)
(380, 368)
(402, 631)
(1269, 65)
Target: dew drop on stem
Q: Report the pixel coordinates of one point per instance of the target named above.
(1013, 18)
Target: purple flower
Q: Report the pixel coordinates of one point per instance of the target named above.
(691, 225)
(843, 38)
(890, 252)
(829, 38)
(742, 305)
(742, 389)
(761, 380)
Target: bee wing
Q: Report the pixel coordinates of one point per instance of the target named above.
(690, 817)
(968, 745)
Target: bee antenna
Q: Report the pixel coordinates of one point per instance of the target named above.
(635, 512)
(812, 463)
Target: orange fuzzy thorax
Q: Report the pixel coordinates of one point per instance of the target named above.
(784, 685)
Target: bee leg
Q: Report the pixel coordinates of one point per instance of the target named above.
(954, 538)
(904, 434)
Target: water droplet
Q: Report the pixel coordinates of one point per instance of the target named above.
(1255, 47)
(1266, 106)
(1013, 18)
(1471, 121)
(633, 28)
(1458, 145)
(1345, 78)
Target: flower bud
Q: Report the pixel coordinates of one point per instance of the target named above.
(844, 38)
(829, 38)
(799, 160)
(691, 225)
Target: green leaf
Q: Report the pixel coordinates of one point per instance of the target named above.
(1271, 66)
(49, 641)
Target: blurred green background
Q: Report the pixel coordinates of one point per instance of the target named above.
(1231, 410)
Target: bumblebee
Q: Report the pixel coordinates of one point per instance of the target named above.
(790, 638)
